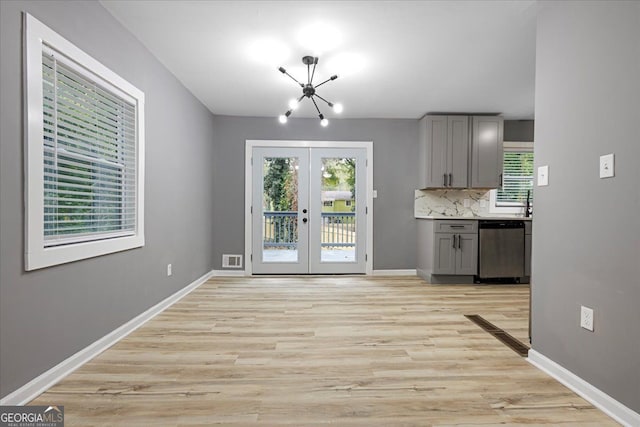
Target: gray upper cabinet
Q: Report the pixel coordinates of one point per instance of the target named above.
(445, 145)
(461, 151)
(458, 154)
(486, 152)
(435, 131)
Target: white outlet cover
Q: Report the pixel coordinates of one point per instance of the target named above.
(467, 203)
(169, 270)
(586, 318)
(375, 194)
(607, 167)
(543, 176)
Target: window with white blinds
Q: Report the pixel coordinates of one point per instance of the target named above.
(85, 154)
(517, 178)
(89, 156)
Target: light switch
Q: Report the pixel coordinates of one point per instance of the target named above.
(606, 166)
(543, 176)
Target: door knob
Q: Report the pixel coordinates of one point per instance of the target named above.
(304, 211)
(305, 220)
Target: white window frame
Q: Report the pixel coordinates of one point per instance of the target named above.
(493, 194)
(36, 37)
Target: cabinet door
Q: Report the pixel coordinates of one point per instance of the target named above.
(458, 151)
(444, 254)
(527, 254)
(486, 152)
(467, 254)
(436, 151)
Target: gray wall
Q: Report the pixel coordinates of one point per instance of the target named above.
(395, 176)
(49, 314)
(586, 242)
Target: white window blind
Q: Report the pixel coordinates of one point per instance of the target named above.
(517, 178)
(89, 152)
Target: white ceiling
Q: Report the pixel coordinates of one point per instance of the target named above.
(402, 58)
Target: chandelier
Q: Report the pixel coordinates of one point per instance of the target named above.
(309, 91)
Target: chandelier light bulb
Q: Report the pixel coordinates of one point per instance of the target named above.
(282, 119)
(337, 108)
(324, 123)
(293, 104)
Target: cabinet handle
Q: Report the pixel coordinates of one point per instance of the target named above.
(454, 241)
(450, 179)
(501, 182)
(444, 179)
(459, 241)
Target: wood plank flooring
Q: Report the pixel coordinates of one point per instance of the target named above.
(353, 351)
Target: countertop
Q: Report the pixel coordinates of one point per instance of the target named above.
(475, 217)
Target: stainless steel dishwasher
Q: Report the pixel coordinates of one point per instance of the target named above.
(501, 251)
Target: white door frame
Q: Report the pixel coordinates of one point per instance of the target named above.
(248, 189)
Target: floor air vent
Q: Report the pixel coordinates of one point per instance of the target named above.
(231, 261)
(500, 334)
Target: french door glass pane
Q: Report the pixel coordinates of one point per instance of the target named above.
(338, 228)
(280, 209)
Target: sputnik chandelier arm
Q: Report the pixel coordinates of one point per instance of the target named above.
(309, 91)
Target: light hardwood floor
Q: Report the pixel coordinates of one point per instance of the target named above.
(354, 351)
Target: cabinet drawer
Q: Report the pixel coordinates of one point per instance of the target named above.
(456, 226)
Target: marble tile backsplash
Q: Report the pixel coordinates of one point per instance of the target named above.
(445, 203)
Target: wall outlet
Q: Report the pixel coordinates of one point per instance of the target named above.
(169, 270)
(607, 166)
(543, 176)
(586, 318)
(466, 203)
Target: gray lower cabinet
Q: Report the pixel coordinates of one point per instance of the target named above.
(455, 249)
(455, 253)
(444, 254)
(527, 249)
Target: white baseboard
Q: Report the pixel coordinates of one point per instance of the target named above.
(394, 272)
(46, 380)
(228, 273)
(596, 397)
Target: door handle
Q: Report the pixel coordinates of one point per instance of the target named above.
(305, 220)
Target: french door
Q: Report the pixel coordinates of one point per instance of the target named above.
(308, 210)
